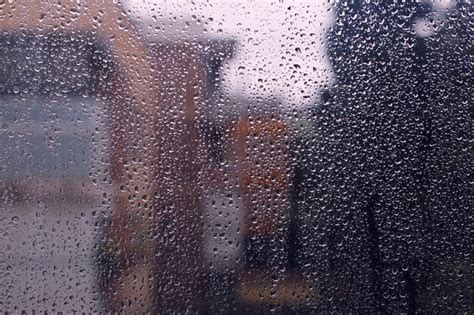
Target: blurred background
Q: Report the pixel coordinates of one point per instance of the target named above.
(240, 156)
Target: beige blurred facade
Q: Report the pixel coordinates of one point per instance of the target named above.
(156, 87)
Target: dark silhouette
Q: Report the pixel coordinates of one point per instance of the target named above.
(384, 189)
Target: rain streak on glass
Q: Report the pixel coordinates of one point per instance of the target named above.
(221, 157)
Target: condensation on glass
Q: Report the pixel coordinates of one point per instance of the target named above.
(193, 157)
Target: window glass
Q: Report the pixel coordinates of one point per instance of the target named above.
(240, 156)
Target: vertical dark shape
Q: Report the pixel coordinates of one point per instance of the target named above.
(412, 293)
(374, 113)
(374, 253)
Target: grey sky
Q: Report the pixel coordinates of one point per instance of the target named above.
(281, 43)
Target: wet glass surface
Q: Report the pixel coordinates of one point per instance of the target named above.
(193, 157)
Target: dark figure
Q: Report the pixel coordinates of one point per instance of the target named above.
(384, 196)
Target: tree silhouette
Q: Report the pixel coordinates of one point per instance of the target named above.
(384, 194)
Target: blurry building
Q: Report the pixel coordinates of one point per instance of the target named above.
(163, 149)
(187, 68)
(71, 93)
